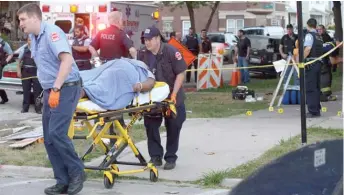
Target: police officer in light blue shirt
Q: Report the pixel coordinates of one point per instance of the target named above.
(6, 55)
(59, 76)
(313, 48)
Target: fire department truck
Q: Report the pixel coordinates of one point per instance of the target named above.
(65, 14)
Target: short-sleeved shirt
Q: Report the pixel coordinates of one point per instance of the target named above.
(7, 48)
(170, 61)
(45, 50)
(21, 53)
(309, 39)
(242, 45)
(112, 42)
(289, 42)
(198, 39)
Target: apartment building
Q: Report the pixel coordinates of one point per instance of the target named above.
(229, 17)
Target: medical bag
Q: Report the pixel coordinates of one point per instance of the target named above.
(292, 96)
(241, 92)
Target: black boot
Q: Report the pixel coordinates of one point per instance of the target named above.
(76, 184)
(56, 189)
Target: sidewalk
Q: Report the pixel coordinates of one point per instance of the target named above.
(216, 144)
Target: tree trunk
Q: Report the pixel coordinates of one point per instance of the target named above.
(191, 14)
(213, 10)
(338, 20)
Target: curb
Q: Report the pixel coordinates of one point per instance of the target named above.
(215, 192)
(230, 182)
(27, 171)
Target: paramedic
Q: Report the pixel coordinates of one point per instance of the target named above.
(286, 48)
(313, 48)
(194, 44)
(5, 50)
(59, 76)
(112, 42)
(168, 65)
(80, 51)
(27, 71)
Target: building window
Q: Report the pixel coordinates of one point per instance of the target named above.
(186, 26)
(233, 25)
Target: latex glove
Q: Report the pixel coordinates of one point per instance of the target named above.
(174, 98)
(54, 99)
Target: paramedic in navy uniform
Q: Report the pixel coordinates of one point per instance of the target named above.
(168, 65)
(112, 42)
(59, 76)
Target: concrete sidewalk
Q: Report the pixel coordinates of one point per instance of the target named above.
(217, 144)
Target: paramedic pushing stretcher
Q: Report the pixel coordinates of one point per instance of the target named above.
(313, 48)
(168, 65)
(59, 76)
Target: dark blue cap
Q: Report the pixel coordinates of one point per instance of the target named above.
(151, 32)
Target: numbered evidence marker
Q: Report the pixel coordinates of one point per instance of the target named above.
(280, 110)
(324, 109)
(271, 109)
(249, 113)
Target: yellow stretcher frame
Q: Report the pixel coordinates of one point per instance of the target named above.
(105, 120)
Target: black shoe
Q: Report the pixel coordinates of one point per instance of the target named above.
(38, 112)
(76, 184)
(156, 161)
(24, 111)
(56, 189)
(310, 115)
(3, 101)
(169, 165)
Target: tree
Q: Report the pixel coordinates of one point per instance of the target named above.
(338, 19)
(191, 6)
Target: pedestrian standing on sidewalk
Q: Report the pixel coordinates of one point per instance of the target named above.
(242, 51)
(59, 76)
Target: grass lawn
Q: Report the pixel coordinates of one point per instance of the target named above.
(285, 146)
(217, 103)
(35, 155)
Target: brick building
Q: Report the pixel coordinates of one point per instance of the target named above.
(229, 17)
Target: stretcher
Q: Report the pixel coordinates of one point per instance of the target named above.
(152, 102)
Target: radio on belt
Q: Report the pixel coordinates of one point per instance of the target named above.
(241, 92)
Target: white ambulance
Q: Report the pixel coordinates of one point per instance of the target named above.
(65, 14)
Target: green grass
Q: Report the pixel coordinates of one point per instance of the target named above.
(35, 155)
(214, 178)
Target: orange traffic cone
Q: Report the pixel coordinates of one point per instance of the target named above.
(235, 80)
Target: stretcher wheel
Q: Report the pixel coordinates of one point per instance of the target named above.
(107, 182)
(152, 176)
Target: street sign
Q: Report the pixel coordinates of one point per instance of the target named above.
(187, 55)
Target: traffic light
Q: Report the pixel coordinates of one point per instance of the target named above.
(156, 15)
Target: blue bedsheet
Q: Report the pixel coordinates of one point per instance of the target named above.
(110, 85)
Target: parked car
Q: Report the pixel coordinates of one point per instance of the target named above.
(229, 40)
(265, 31)
(264, 51)
(9, 80)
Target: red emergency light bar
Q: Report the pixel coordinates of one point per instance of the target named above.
(102, 8)
(45, 8)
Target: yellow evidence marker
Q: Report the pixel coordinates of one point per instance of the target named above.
(280, 110)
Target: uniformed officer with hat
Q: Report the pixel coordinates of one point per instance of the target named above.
(59, 76)
(112, 42)
(313, 48)
(6, 55)
(80, 51)
(194, 44)
(27, 71)
(168, 65)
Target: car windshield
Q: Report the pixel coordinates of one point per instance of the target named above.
(216, 38)
(232, 38)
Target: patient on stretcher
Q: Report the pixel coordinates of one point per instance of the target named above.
(116, 83)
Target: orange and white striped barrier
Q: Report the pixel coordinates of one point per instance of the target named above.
(209, 71)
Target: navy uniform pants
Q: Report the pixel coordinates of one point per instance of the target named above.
(313, 74)
(173, 127)
(64, 160)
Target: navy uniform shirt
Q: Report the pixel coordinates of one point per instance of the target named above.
(112, 42)
(45, 49)
(165, 65)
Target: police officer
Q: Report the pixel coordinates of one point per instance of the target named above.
(193, 43)
(6, 55)
(27, 71)
(313, 48)
(206, 43)
(80, 51)
(286, 48)
(167, 65)
(60, 80)
(112, 42)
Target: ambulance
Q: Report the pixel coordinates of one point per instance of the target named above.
(66, 14)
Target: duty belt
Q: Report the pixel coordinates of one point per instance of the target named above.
(73, 83)
(28, 66)
(309, 66)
